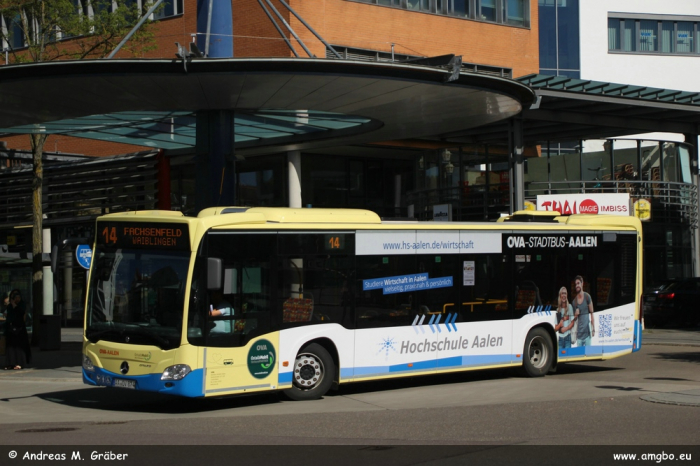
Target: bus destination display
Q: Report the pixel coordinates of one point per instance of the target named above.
(143, 235)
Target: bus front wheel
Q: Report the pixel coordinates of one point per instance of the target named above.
(538, 354)
(313, 373)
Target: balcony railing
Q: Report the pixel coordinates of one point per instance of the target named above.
(671, 202)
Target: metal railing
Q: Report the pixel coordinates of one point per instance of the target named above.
(673, 202)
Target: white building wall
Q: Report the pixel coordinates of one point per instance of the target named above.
(654, 70)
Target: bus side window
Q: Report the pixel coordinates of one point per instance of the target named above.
(488, 289)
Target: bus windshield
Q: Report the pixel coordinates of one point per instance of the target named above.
(137, 296)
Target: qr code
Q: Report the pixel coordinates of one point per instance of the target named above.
(606, 325)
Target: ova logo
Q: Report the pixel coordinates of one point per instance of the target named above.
(515, 242)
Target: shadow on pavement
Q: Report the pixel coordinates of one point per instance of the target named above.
(688, 356)
(68, 356)
(584, 368)
(122, 400)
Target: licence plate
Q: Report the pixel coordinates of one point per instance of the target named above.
(123, 383)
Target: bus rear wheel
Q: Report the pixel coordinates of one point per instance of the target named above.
(538, 354)
(313, 373)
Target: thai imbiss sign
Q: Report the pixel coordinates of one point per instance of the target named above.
(601, 204)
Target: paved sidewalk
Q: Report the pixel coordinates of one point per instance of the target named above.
(672, 337)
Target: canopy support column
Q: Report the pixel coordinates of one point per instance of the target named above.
(215, 168)
(294, 176)
(517, 169)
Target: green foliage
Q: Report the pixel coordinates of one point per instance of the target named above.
(72, 29)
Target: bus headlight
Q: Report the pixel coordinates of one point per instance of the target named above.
(176, 372)
(87, 364)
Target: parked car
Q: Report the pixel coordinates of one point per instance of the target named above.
(676, 303)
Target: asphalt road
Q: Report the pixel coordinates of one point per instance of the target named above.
(596, 403)
(585, 414)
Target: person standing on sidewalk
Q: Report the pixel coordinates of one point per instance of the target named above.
(5, 304)
(17, 351)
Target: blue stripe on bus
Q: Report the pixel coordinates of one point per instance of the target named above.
(488, 360)
(190, 386)
(455, 362)
(578, 351)
(594, 350)
(637, 344)
(612, 349)
(415, 366)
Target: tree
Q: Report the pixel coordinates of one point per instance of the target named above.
(39, 31)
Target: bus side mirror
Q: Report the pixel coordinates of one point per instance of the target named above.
(214, 272)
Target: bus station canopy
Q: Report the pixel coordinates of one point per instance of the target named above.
(324, 104)
(568, 109)
(279, 104)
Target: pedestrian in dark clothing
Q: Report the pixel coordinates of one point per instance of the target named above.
(17, 351)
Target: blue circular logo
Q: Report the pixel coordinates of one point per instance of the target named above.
(83, 254)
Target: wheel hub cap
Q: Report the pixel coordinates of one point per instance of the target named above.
(308, 371)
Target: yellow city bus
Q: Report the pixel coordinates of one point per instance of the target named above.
(241, 300)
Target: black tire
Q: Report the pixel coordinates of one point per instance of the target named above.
(313, 373)
(538, 354)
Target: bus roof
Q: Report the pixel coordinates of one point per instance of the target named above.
(220, 216)
(298, 215)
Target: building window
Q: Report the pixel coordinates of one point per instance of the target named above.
(560, 38)
(641, 33)
(648, 31)
(510, 12)
(458, 8)
(15, 34)
(418, 5)
(488, 10)
(614, 26)
(348, 53)
(169, 8)
(684, 37)
(629, 37)
(515, 12)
